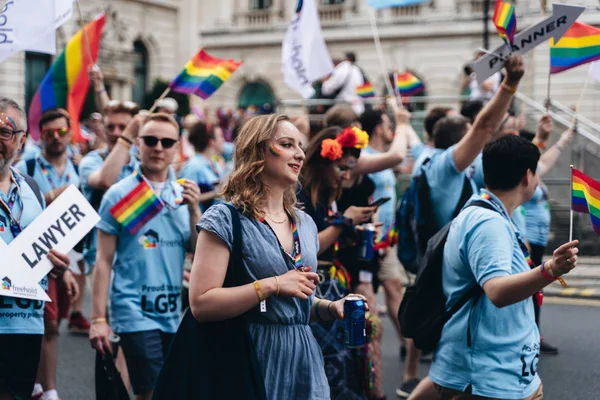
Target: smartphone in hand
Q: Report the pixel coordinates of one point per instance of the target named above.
(380, 202)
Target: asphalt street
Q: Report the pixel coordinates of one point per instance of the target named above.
(574, 374)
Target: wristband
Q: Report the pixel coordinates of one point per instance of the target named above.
(125, 138)
(508, 89)
(259, 292)
(317, 310)
(278, 287)
(540, 145)
(124, 142)
(329, 311)
(339, 219)
(545, 273)
(98, 320)
(556, 278)
(559, 147)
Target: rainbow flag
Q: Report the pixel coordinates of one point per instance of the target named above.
(408, 84)
(137, 207)
(586, 197)
(365, 91)
(579, 45)
(67, 82)
(203, 75)
(505, 21)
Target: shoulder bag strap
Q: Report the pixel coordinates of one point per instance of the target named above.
(235, 272)
(36, 189)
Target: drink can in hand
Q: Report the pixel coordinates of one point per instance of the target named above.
(355, 323)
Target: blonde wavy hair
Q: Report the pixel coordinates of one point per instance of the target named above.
(245, 188)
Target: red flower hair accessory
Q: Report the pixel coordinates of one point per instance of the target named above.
(331, 149)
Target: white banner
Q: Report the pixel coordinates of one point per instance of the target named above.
(63, 12)
(305, 58)
(23, 23)
(61, 226)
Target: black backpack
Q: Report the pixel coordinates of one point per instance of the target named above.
(422, 313)
(415, 221)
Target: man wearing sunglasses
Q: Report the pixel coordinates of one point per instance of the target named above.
(147, 265)
(21, 323)
(54, 171)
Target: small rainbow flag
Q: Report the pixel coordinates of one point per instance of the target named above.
(579, 45)
(586, 197)
(203, 75)
(505, 21)
(137, 208)
(67, 82)
(365, 91)
(408, 84)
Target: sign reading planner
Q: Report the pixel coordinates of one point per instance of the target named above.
(61, 226)
(553, 26)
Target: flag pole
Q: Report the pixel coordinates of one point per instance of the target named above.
(543, 12)
(85, 38)
(162, 96)
(571, 197)
(379, 51)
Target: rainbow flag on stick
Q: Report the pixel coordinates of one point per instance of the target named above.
(505, 21)
(203, 75)
(67, 82)
(579, 45)
(137, 208)
(408, 84)
(365, 91)
(586, 197)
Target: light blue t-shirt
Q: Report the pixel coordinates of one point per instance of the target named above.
(205, 173)
(89, 163)
(47, 177)
(518, 217)
(20, 315)
(446, 184)
(228, 150)
(422, 153)
(477, 168)
(145, 293)
(502, 359)
(537, 217)
(385, 186)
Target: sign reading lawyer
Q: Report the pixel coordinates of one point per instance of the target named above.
(61, 226)
(553, 26)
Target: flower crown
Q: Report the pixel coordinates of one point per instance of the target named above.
(333, 149)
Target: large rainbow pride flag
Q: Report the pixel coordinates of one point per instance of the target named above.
(408, 84)
(365, 91)
(579, 45)
(203, 75)
(586, 197)
(505, 21)
(67, 82)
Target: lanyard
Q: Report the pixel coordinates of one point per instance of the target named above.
(298, 249)
(15, 226)
(524, 250)
(48, 177)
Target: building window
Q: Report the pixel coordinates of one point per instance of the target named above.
(140, 86)
(260, 4)
(331, 2)
(36, 67)
(257, 96)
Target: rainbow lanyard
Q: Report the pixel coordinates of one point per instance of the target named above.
(48, 177)
(489, 198)
(297, 248)
(15, 225)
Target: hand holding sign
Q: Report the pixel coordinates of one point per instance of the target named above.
(60, 227)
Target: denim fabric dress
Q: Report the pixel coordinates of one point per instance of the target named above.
(288, 353)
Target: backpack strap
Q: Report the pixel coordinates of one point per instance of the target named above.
(30, 163)
(467, 192)
(34, 186)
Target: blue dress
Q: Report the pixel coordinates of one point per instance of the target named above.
(288, 353)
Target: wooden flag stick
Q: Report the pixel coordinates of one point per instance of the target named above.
(85, 38)
(162, 96)
(578, 105)
(379, 51)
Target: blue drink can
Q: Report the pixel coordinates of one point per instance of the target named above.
(367, 242)
(355, 324)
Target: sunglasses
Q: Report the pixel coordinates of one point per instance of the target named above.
(62, 132)
(152, 141)
(112, 127)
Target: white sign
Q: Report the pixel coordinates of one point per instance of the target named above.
(394, 3)
(61, 226)
(23, 23)
(553, 26)
(47, 44)
(304, 57)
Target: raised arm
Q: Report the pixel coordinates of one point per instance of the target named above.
(489, 119)
(550, 156)
(100, 95)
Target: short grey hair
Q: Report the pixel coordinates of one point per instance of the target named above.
(6, 103)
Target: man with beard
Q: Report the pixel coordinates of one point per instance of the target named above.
(21, 326)
(53, 171)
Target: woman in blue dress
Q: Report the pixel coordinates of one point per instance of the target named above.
(280, 252)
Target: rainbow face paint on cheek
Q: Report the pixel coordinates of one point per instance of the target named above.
(12, 123)
(274, 150)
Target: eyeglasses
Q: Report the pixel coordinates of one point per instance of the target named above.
(62, 132)
(152, 141)
(8, 134)
(112, 127)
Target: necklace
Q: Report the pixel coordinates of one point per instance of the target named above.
(275, 221)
